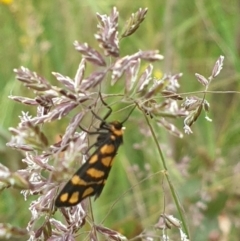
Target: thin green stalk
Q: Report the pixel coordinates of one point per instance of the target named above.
(92, 216)
(173, 192)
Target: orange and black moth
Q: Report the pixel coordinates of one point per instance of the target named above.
(90, 179)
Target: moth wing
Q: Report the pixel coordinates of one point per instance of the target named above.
(89, 180)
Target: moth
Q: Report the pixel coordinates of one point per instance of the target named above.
(90, 178)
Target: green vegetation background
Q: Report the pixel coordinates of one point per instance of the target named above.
(191, 35)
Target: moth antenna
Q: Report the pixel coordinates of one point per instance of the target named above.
(129, 114)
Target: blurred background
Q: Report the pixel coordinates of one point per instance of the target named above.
(203, 166)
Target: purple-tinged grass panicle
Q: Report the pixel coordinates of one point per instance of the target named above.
(31, 79)
(217, 67)
(133, 23)
(107, 35)
(50, 162)
(90, 54)
(202, 79)
(11, 179)
(131, 75)
(8, 231)
(193, 104)
(144, 79)
(110, 234)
